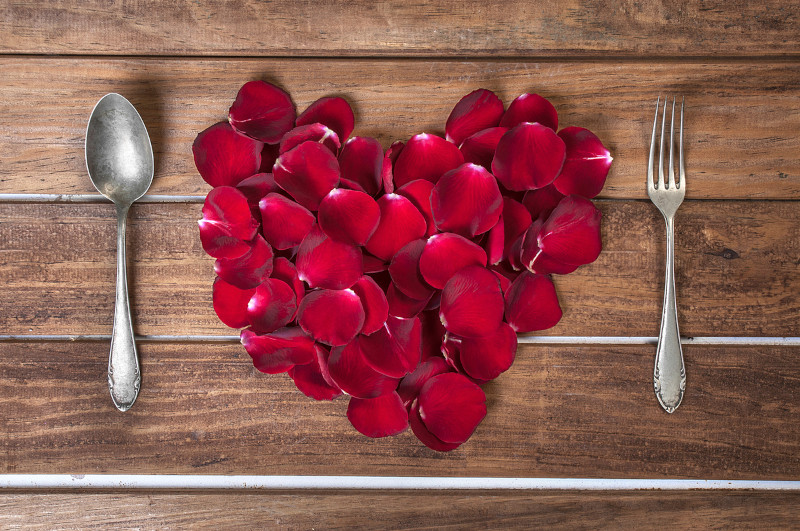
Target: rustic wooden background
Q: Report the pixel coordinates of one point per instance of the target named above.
(561, 411)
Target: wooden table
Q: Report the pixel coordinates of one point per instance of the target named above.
(584, 409)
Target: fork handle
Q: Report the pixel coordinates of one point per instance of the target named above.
(669, 374)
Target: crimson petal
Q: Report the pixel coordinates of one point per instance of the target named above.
(279, 351)
(424, 434)
(262, 111)
(485, 358)
(530, 108)
(532, 303)
(446, 254)
(326, 263)
(224, 157)
(272, 306)
(373, 264)
(230, 303)
(505, 282)
(285, 270)
(349, 216)
(426, 157)
(227, 223)
(313, 380)
(334, 112)
(432, 334)
(354, 376)
(480, 147)
(494, 242)
(410, 385)
(378, 417)
(310, 133)
(475, 112)
(396, 348)
(572, 232)
(250, 269)
(373, 299)
(537, 261)
(308, 172)
(466, 201)
(284, 223)
(332, 317)
(419, 193)
(257, 186)
(472, 303)
(400, 223)
(361, 162)
(401, 305)
(268, 157)
(516, 220)
(387, 169)
(405, 271)
(529, 156)
(542, 201)
(451, 407)
(586, 165)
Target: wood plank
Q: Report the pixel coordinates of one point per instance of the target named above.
(742, 118)
(358, 28)
(407, 510)
(569, 411)
(737, 265)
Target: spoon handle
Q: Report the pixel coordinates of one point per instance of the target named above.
(123, 363)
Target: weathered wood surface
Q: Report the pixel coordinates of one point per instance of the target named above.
(358, 28)
(403, 510)
(742, 118)
(737, 271)
(567, 411)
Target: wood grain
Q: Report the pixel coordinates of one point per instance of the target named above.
(358, 28)
(408, 510)
(737, 271)
(742, 118)
(569, 411)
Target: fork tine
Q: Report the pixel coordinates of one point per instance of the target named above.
(671, 146)
(661, 149)
(650, 181)
(682, 182)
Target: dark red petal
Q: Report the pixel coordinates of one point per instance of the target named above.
(532, 303)
(404, 270)
(530, 108)
(446, 254)
(515, 253)
(224, 157)
(387, 169)
(310, 133)
(272, 306)
(332, 317)
(311, 379)
(396, 348)
(426, 157)
(475, 112)
(284, 223)
(536, 261)
(334, 112)
(268, 157)
(529, 156)
(262, 111)
(374, 264)
(361, 162)
(378, 417)
(451, 407)
(494, 242)
(326, 263)
(480, 147)
(257, 186)
(423, 433)
(349, 216)
(516, 220)
(419, 193)
(432, 334)
(401, 305)
(285, 270)
(230, 303)
(279, 351)
(505, 282)
(248, 270)
(400, 223)
(466, 201)
(308, 172)
(350, 371)
(373, 299)
(472, 303)
(485, 358)
(410, 385)
(572, 232)
(586, 165)
(542, 201)
(227, 223)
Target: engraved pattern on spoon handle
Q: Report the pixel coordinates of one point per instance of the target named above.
(669, 374)
(123, 363)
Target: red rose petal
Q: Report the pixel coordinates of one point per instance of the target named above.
(424, 434)
(405, 272)
(410, 385)
(310, 133)
(230, 303)
(480, 147)
(272, 306)
(361, 163)
(224, 157)
(505, 282)
(378, 417)
(373, 264)
(542, 200)
(466, 201)
(268, 157)
(419, 193)
(401, 305)
(494, 242)
(312, 379)
(250, 269)
(530, 108)
(532, 303)
(350, 371)
(284, 223)
(515, 253)
(283, 269)
(571, 234)
(400, 223)
(529, 156)
(472, 303)
(326, 263)
(396, 348)
(426, 157)
(432, 334)
(262, 111)
(257, 186)
(547, 265)
(446, 254)
(516, 220)
(332, 317)
(451, 407)
(227, 223)
(586, 165)
(308, 172)
(387, 169)
(373, 299)
(349, 216)
(475, 112)
(279, 351)
(485, 358)
(334, 112)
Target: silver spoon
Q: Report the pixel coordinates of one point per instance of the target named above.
(119, 158)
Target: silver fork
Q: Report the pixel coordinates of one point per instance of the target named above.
(669, 374)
